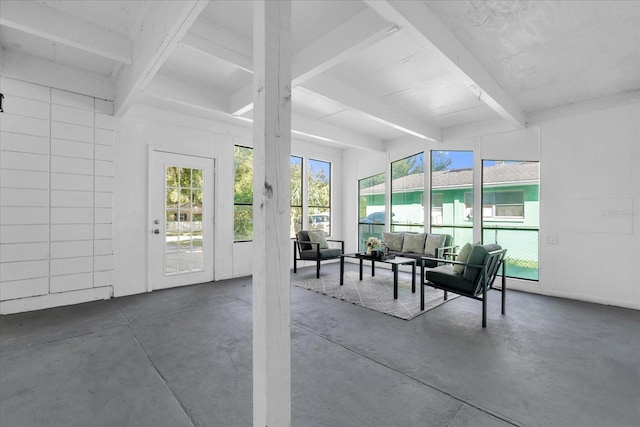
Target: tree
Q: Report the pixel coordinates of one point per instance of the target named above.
(407, 166)
(440, 160)
(318, 187)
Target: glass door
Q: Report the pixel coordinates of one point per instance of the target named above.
(181, 241)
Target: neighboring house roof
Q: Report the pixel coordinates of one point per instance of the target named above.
(506, 173)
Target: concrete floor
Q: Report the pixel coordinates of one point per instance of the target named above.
(182, 357)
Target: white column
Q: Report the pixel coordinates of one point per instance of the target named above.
(271, 212)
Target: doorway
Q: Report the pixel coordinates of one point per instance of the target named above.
(181, 207)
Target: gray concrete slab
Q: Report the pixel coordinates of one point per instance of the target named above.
(332, 386)
(549, 361)
(168, 301)
(101, 379)
(183, 356)
(33, 328)
(205, 357)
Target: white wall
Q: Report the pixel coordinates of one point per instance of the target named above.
(60, 195)
(146, 127)
(358, 164)
(589, 197)
(590, 202)
(56, 198)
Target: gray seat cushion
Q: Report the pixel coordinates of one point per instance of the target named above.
(324, 254)
(445, 276)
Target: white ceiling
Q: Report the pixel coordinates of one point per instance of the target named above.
(364, 71)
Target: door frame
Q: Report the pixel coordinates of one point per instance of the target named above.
(150, 217)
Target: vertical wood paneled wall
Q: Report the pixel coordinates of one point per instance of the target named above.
(56, 197)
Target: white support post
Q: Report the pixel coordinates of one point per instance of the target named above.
(271, 212)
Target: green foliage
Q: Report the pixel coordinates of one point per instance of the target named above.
(184, 185)
(407, 166)
(440, 161)
(318, 185)
(243, 184)
(243, 194)
(242, 223)
(296, 182)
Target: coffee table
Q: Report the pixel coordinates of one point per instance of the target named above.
(395, 262)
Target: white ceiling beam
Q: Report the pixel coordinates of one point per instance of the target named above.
(372, 108)
(169, 91)
(215, 42)
(42, 21)
(182, 92)
(163, 30)
(347, 40)
(304, 126)
(28, 68)
(424, 27)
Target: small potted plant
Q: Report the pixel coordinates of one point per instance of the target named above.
(372, 243)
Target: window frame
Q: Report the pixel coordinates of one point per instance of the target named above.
(493, 206)
(294, 223)
(418, 227)
(235, 203)
(322, 208)
(360, 217)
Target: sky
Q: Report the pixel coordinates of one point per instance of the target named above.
(461, 159)
(464, 160)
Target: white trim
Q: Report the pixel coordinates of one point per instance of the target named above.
(55, 300)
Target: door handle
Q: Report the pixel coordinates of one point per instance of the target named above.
(156, 231)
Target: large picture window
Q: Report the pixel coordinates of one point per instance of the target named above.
(371, 208)
(319, 199)
(407, 194)
(243, 194)
(452, 194)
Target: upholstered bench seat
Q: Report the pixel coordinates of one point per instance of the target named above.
(418, 245)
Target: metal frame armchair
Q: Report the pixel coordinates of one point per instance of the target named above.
(306, 250)
(480, 272)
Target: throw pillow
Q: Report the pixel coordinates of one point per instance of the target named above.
(433, 242)
(318, 237)
(413, 243)
(393, 241)
(462, 257)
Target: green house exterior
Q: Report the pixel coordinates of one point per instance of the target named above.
(510, 210)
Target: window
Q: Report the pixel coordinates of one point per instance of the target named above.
(296, 195)
(243, 194)
(510, 213)
(183, 210)
(319, 188)
(452, 194)
(503, 204)
(371, 208)
(319, 199)
(407, 194)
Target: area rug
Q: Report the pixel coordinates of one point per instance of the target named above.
(376, 293)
